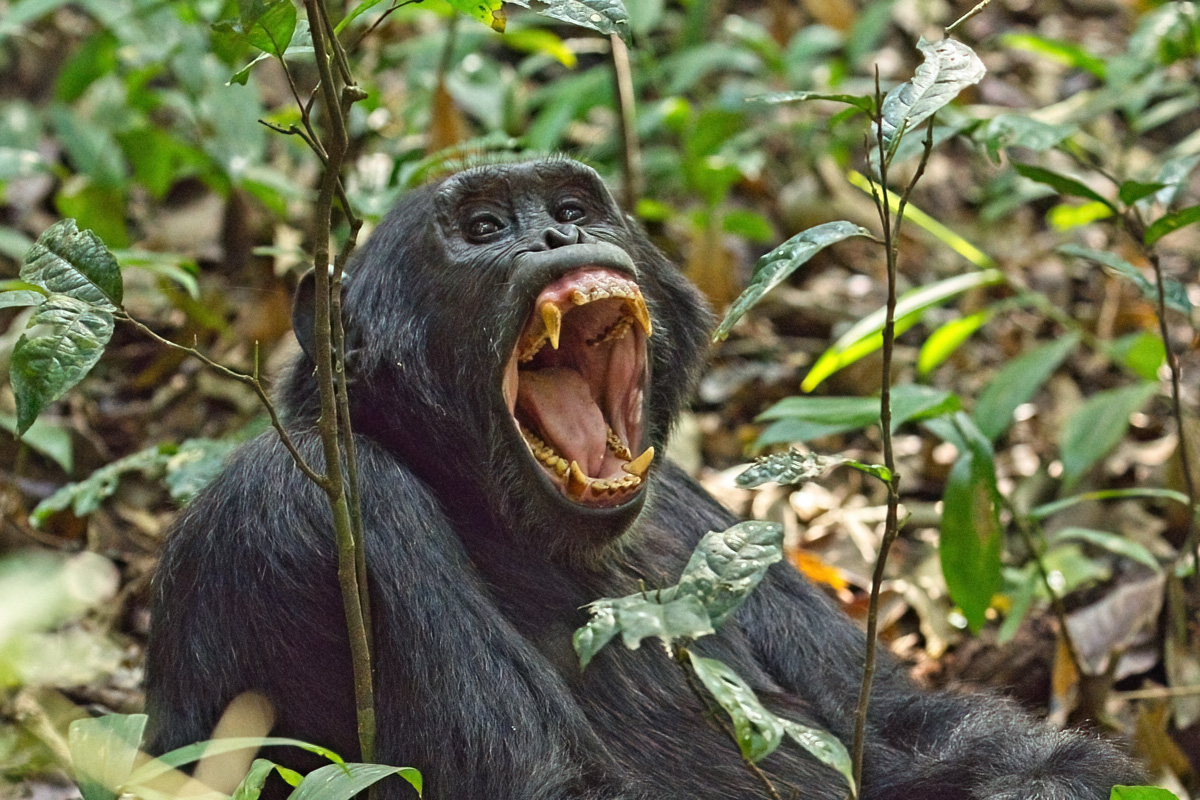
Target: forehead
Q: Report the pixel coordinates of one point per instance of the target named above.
(502, 181)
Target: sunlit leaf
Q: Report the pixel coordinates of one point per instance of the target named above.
(1017, 382)
(949, 67)
(1141, 793)
(910, 303)
(1063, 52)
(946, 339)
(344, 781)
(360, 9)
(103, 750)
(1068, 216)
(773, 268)
(1097, 426)
(489, 12)
(1142, 352)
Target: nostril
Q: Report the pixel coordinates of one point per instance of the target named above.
(562, 235)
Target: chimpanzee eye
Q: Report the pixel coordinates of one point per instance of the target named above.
(569, 211)
(483, 225)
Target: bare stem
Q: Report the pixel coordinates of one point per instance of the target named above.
(980, 7)
(631, 154)
(250, 380)
(1056, 603)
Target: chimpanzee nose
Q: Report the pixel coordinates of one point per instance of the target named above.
(562, 235)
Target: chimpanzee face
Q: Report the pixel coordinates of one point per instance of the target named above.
(572, 382)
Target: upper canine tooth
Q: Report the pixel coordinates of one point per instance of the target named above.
(552, 318)
(636, 306)
(640, 465)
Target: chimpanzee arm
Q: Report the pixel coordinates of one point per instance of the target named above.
(919, 744)
(248, 600)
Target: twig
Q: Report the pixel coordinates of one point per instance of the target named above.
(1159, 692)
(631, 154)
(250, 380)
(977, 9)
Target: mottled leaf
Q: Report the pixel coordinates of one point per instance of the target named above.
(773, 268)
(603, 16)
(949, 67)
(791, 467)
(68, 261)
(19, 298)
(825, 747)
(727, 565)
(64, 340)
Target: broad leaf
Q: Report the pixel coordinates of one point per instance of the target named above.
(66, 260)
(723, 570)
(759, 731)
(1171, 223)
(49, 439)
(803, 418)
(791, 467)
(103, 750)
(180, 756)
(727, 565)
(1097, 426)
(603, 16)
(64, 340)
(949, 67)
(20, 298)
(971, 534)
(1132, 191)
(773, 268)
(1141, 793)
(1017, 382)
(946, 339)
(251, 786)
(1061, 183)
(1112, 542)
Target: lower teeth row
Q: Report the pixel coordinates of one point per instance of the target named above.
(550, 457)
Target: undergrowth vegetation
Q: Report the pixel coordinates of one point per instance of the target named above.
(1020, 507)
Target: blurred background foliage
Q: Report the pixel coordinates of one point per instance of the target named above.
(144, 120)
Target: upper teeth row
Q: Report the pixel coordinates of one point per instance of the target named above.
(604, 289)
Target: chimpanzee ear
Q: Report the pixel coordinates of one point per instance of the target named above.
(304, 314)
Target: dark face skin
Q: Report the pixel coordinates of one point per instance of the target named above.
(520, 362)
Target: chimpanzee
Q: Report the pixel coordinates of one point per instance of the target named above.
(519, 350)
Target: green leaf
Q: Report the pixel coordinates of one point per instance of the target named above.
(861, 102)
(1097, 426)
(489, 12)
(946, 339)
(1043, 511)
(844, 352)
(1068, 53)
(727, 565)
(52, 441)
(1017, 382)
(66, 260)
(723, 570)
(758, 732)
(748, 224)
(84, 497)
(64, 340)
(971, 534)
(1142, 352)
(342, 782)
(1132, 191)
(1174, 293)
(1060, 183)
(20, 298)
(1017, 130)
(802, 418)
(1141, 793)
(603, 16)
(180, 756)
(1067, 216)
(949, 67)
(251, 786)
(1112, 542)
(355, 13)
(1171, 223)
(773, 268)
(103, 750)
(791, 467)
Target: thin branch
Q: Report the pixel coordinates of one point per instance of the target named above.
(1159, 692)
(976, 10)
(250, 380)
(631, 154)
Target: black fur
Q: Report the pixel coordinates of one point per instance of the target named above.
(479, 567)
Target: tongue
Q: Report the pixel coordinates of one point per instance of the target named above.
(559, 404)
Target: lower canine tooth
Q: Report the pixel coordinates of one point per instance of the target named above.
(577, 482)
(641, 464)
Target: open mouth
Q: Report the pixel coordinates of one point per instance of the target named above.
(574, 385)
